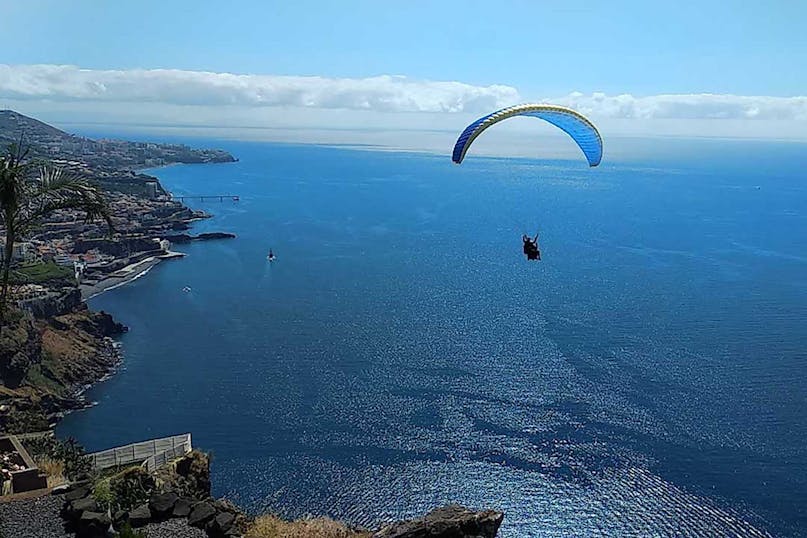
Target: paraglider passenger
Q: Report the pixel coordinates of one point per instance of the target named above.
(531, 247)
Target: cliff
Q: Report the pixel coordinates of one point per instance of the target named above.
(45, 364)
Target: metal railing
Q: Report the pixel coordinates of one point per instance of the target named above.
(151, 454)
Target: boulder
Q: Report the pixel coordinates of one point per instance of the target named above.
(59, 490)
(74, 509)
(120, 519)
(182, 508)
(451, 521)
(78, 492)
(224, 505)
(140, 516)
(200, 514)
(93, 525)
(220, 525)
(162, 504)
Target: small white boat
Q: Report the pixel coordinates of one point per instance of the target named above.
(271, 256)
(186, 289)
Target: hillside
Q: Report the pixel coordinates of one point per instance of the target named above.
(111, 163)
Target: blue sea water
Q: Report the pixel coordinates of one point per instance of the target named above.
(647, 378)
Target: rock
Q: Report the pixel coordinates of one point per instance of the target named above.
(182, 508)
(120, 518)
(60, 490)
(162, 504)
(451, 521)
(179, 238)
(53, 304)
(78, 493)
(223, 505)
(140, 516)
(187, 238)
(93, 525)
(220, 525)
(215, 235)
(200, 514)
(79, 506)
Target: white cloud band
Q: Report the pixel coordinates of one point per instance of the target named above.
(689, 106)
(382, 93)
(64, 83)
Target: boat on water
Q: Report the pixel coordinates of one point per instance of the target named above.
(186, 289)
(271, 256)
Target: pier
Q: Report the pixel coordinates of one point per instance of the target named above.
(202, 198)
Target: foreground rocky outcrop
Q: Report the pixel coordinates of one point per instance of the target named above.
(181, 490)
(136, 498)
(451, 521)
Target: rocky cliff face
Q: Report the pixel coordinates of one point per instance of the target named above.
(53, 304)
(120, 247)
(20, 348)
(44, 364)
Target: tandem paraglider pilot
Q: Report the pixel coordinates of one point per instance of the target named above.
(531, 247)
(577, 126)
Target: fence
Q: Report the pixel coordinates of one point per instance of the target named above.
(151, 454)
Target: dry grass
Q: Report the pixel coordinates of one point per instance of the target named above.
(53, 469)
(273, 527)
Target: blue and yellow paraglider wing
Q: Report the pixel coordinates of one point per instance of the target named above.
(573, 123)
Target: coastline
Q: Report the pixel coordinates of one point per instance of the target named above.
(57, 346)
(125, 275)
(113, 350)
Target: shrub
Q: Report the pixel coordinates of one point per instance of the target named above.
(124, 489)
(53, 469)
(130, 488)
(26, 421)
(127, 532)
(102, 493)
(69, 452)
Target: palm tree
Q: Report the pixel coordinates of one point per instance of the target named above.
(29, 193)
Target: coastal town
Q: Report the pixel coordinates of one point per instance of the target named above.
(144, 216)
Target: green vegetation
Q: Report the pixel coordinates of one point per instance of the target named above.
(127, 532)
(102, 493)
(38, 273)
(24, 421)
(36, 377)
(124, 490)
(68, 451)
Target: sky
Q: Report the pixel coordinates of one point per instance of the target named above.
(635, 67)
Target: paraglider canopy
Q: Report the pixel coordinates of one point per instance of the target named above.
(572, 122)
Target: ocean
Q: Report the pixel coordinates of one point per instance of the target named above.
(647, 378)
